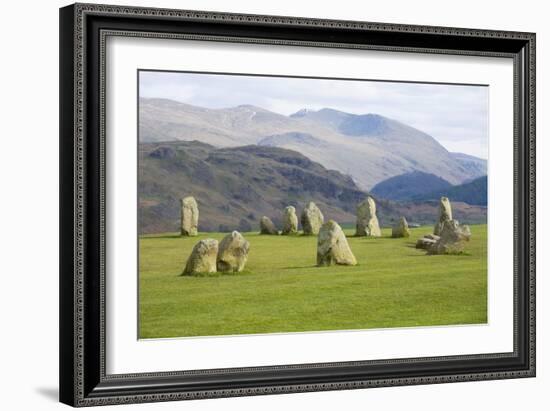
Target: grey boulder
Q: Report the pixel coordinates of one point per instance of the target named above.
(333, 247)
(367, 222)
(290, 221)
(202, 258)
(267, 227)
(401, 229)
(445, 214)
(189, 216)
(312, 219)
(453, 237)
(232, 253)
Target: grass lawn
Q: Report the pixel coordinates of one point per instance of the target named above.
(281, 289)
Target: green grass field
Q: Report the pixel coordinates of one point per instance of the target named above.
(281, 290)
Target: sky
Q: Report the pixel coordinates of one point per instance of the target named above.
(455, 115)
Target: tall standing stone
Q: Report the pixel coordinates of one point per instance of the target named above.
(367, 222)
(333, 247)
(267, 226)
(202, 258)
(189, 216)
(401, 229)
(445, 214)
(290, 221)
(232, 253)
(312, 219)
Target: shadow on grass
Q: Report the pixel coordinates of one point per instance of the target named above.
(301, 267)
(372, 240)
(217, 274)
(319, 266)
(155, 236)
(462, 254)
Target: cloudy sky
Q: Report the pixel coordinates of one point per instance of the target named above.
(455, 115)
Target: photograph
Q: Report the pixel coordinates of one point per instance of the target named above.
(278, 204)
(276, 201)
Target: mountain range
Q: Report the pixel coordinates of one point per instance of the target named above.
(236, 186)
(370, 148)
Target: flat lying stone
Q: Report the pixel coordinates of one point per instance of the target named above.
(425, 243)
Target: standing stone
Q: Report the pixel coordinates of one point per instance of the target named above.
(367, 222)
(312, 219)
(453, 237)
(332, 246)
(401, 229)
(189, 216)
(290, 221)
(445, 214)
(232, 253)
(267, 226)
(202, 258)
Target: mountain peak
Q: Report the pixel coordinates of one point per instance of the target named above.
(364, 124)
(302, 112)
(249, 107)
(324, 111)
(332, 110)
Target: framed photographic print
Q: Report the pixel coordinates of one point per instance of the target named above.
(261, 204)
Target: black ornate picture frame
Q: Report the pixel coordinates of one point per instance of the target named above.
(83, 32)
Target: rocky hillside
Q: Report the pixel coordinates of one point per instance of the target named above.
(236, 186)
(370, 148)
(409, 185)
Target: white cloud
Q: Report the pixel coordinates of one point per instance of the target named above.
(455, 115)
